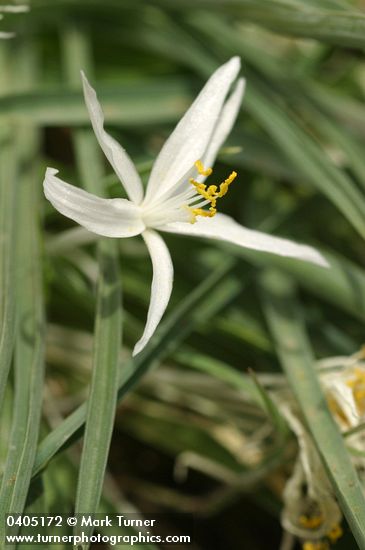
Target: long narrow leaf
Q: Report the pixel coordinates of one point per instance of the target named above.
(342, 285)
(147, 102)
(299, 19)
(29, 361)
(8, 187)
(102, 400)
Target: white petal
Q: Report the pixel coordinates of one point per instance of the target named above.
(225, 123)
(107, 217)
(191, 137)
(220, 133)
(224, 228)
(116, 155)
(163, 274)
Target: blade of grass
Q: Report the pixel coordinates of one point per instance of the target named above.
(205, 300)
(299, 19)
(337, 26)
(313, 163)
(343, 108)
(5, 428)
(342, 285)
(220, 370)
(29, 363)
(102, 400)
(259, 155)
(294, 351)
(249, 384)
(8, 189)
(134, 104)
(341, 137)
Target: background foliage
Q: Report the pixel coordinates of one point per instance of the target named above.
(186, 436)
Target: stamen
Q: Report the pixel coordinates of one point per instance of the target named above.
(357, 384)
(201, 170)
(308, 545)
(336, 410)
(211, 193)
(335, 533)
(312, 522)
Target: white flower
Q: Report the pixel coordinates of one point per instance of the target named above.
(173, 200)
(11, 9)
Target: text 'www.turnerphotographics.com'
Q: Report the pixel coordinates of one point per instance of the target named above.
(113, 529)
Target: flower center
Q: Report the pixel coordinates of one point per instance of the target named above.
(210, 194)
(311, 522)
(183, 202)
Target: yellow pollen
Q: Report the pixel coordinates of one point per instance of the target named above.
(211, 193)
(335, 533)
(201, 170)
(336, 410)
(315, 546)
(357, 384)
(311, 522)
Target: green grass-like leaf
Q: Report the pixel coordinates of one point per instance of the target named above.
(29, 362)
(133, 104)
(341, 25)
(8, 194)
(102, 400)
(309, 159)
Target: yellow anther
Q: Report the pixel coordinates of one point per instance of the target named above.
(359, 378)
(211, 193)
(335, 533)
(311, 522)
(336, 410)
(359, 394)
(315, 545)
(201, 170)
(357, 384)
(225, 185)
(204, 213)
